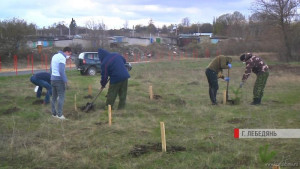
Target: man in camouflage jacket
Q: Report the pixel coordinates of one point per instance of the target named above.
(256, 65)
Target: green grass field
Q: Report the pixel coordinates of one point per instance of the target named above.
(198, 134)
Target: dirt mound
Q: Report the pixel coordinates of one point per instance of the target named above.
(237, 120)
(157, 97)
(11, 110)
(139, 150)
(194, 83)
(38, 102)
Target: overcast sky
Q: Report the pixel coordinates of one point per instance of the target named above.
(114, 13)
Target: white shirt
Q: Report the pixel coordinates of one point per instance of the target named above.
(56, 60)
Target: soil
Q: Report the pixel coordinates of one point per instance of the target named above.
(29, 97)
(11, 110)
(88, 97)
(139, 150)
(157, 97)
(82, 108)
(179, 101)
(38, 102)
(194, 83)
(74, 115)
(237, 120)
(100, 123)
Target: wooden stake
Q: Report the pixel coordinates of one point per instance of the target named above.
(109, 115)
(90, 90)
(150, 92)
(275, 167)
(224, 97)
(163, 137)
(75, 104)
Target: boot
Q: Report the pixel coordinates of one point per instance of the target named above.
(256, 101)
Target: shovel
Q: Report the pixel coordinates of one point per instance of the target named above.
(227, 100)
(89, 105)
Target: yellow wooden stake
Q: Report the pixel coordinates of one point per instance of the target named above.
(163, 137)
(75, 104)
(109, 115)
(90, 90)
(275, 167)
(224, 97)
(150, 92)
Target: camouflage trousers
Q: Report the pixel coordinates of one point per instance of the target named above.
(114, 90)
(260, 83)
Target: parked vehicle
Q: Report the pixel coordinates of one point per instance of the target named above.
(88, 63)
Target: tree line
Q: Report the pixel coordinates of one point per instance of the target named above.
(273, 27)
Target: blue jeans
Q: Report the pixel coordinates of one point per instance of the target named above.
(41, 84)
(58, 89)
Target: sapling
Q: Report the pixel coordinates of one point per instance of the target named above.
(237, 95)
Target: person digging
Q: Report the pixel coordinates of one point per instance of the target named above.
(113, 66)
(213, 72)
(256, 65)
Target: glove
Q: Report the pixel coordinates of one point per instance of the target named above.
(128, 66)
(229, 65)
(227, 79)
(241, 84)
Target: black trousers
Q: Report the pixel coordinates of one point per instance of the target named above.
(212, 78)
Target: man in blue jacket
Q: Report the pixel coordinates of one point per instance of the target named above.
(42, 79)
(113, 66)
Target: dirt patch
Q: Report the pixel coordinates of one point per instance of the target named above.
(11, 110)
(157, 97)
(72, 115)
(139, 150)
(92, 107)
(29, 97)
(88, 97)
(38, 102)
(194, 83)
(179, 101)
(285, 68)
(237, 120)
(100, 123)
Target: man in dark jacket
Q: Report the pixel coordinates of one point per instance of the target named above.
(113, 66)
(257, 66)
(213, 72)
(41, 80)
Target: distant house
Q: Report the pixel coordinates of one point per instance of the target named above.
(217, 39)
(185, 39)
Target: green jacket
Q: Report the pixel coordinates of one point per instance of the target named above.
(219, 63)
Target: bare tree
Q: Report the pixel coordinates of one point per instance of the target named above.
(96, 32)
(281, 13)
(185, 22)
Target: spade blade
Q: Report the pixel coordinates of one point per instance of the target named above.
(88, 107)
